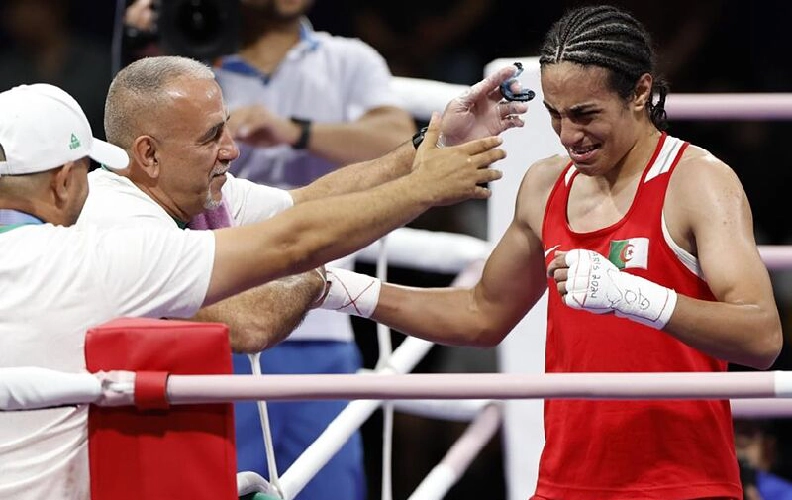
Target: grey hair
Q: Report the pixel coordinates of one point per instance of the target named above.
(139, 87)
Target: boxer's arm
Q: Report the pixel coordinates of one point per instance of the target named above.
(512, 281)
(743, 324)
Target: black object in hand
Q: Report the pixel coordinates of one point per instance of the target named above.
(506, 92)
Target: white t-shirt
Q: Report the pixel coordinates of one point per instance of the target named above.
(114, 200)
(57, 283)
(325, 79)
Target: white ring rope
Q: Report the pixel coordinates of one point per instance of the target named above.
(192, 389)
(266, 432)
(251, 482)
(30, 388)
(200, 389)
(422, 97)
(776, 258)
(453, 410)
(733, 106)
(383, 332)
(451, 253)
(761, 408)
(423, 250)
(210, 389)
(445, 474)
(403, 360)
(385, 352)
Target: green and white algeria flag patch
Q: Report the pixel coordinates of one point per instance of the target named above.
(629, 253)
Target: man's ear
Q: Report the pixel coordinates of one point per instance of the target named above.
(643, 92)
(61, 180)
(144, 154)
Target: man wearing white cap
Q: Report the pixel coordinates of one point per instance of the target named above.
(59, 281)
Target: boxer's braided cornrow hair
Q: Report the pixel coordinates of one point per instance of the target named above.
(612, 39)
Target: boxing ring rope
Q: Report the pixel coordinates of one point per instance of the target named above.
(203, 389)
(445, 474)
(266, 432)
(30, 388)
(776, 258)
(468, 249)
(385, 352)
(19, 387)
(403, 360)
(761, 408)
(422, 97)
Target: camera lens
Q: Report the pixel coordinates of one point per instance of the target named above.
(203, 29)
(198, 21)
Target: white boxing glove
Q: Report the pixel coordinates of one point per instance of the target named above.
(595, 284)
(350, 292)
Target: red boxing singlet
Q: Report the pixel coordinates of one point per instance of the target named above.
(659, 449)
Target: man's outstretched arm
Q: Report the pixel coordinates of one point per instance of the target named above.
(313, 233)
(264, 316)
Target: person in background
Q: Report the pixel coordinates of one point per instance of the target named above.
(302, 104)
(757, 453)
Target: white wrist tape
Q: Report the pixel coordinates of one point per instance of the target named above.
(320, 296)
(595, 284)
(645, 302)
(351, 293)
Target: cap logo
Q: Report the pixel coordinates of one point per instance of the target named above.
(74, 143)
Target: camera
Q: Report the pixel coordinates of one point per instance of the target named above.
(201, 29)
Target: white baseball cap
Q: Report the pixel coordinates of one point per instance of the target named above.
(42, 127)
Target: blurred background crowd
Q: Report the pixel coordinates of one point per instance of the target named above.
(703, 46)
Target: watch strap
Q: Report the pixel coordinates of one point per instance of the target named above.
(305, 133)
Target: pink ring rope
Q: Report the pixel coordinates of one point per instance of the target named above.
(192, 389)
(770, 106)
